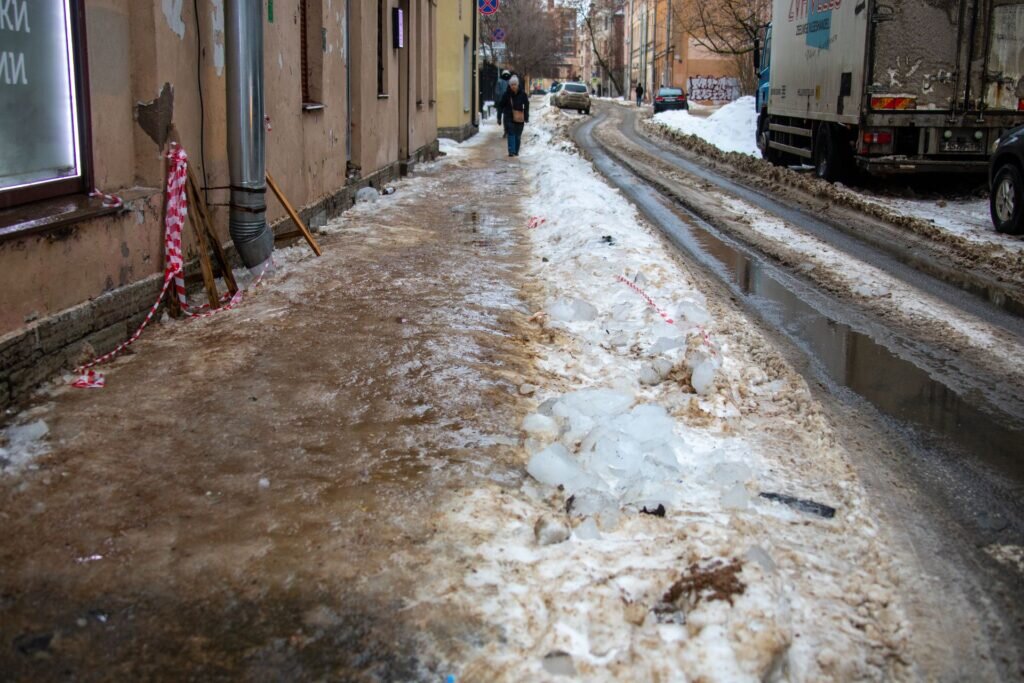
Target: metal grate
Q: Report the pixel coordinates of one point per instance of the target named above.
(303, 51)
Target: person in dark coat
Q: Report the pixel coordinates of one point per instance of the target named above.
(515, 104)
(499, 90)
(639, 94)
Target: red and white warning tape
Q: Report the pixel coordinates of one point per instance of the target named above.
(177, 211)
(111, 201)
(632, 285)
(536, 222)
(665, 316)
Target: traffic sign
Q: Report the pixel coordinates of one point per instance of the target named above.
(498, 35)
(487, 7)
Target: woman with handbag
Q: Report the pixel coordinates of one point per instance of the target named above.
(515, 111)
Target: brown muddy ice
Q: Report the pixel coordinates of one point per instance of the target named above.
(253, 495)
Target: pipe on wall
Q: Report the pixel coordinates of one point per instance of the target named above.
(243, 44)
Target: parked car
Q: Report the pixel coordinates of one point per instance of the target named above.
(670, 98)
(572, 96)
(1006, 182)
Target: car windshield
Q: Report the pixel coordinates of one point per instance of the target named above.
(670, 92)
(575, 87)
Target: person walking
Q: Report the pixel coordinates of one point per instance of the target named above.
(515, 111)
(639, 94)
(499, 91)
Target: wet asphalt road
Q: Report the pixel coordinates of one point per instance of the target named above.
(944, 464)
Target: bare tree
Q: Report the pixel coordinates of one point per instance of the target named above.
(529, 36)
(593, 14)
(725, 27)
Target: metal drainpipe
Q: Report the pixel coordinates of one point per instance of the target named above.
(246, 134)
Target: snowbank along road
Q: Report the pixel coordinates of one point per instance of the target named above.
(960, 421)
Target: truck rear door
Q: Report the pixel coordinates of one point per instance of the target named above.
(1004, 68)
(913, 54)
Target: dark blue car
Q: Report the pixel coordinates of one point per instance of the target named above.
(1006, 182)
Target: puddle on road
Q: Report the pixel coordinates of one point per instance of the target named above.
(851, 359)
(895, 386)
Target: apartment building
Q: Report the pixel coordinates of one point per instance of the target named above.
(660, 51)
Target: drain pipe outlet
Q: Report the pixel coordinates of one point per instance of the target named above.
(243, 42)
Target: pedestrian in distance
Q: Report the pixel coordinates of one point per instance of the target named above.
(499, 91)
(515, 111)
(639, 94)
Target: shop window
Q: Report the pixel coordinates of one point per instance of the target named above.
(44, 147)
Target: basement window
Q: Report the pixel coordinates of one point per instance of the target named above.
(313, 39)
(43, 113)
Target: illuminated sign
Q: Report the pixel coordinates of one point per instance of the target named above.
(398, 26)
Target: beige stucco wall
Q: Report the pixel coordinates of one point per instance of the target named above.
(376, 119)
(134, 47)
(452, 29)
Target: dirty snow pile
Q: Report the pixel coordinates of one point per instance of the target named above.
(733, 128)
(688, 515)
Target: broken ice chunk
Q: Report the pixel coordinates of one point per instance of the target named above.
(367, 194)
(558, 663)
(540, 426)
(649, 376)
(549, 531)
(643, 492)
(703, 377)
(593, 403)
(692, 313)
(735, 497)
(594, 505)
(648, 424)
(667, 344)
(728, 473)
(22, 435)
(571, 310)
(555, 467)
(756, 553)
(587, 531)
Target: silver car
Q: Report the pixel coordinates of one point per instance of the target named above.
(572, 96)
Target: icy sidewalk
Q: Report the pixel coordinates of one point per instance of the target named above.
(256, 494)
(689, 515)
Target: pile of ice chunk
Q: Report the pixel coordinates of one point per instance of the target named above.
(571, 310)
(602, 449)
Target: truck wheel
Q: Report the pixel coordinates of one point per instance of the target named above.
(770, 155)
(828, 155)
(1007, 200)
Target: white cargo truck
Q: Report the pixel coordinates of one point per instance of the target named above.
(891, 86)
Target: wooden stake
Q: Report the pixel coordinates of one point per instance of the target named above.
(294, 216)
(199, 230)
(199, 206)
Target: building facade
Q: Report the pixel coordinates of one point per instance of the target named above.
(457, 77)
(659, 51)
(602, 49)
(563, 20)
(103, 87)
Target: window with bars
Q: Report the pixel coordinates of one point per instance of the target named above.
(313, 44)
(382, 52)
